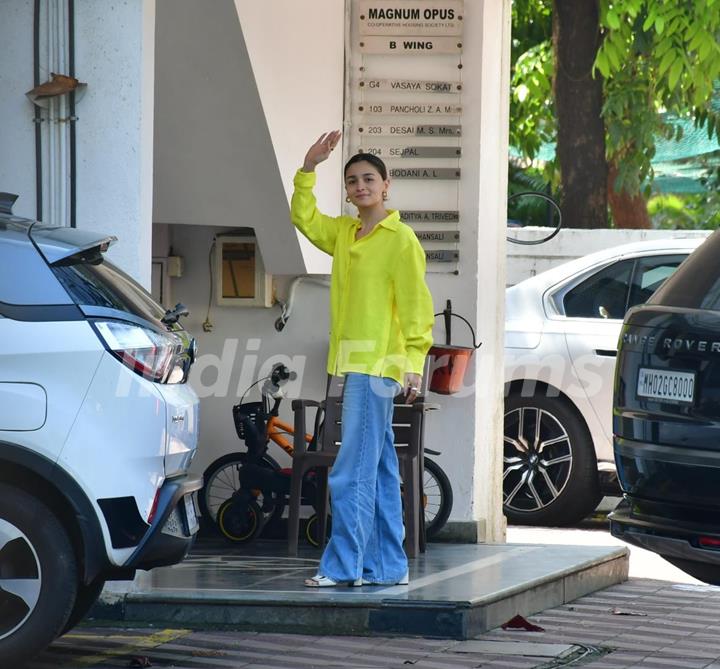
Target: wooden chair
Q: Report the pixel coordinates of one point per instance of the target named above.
(408, 425)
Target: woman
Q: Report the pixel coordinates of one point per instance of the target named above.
(381, 323)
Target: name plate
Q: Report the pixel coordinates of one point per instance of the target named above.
(403, 108)
(417, 130)
(420, 17)
(441, 256)
(424, 173)
(418, 46)
(421, 216)
(438, 235)
(411, 85)
(413, 151)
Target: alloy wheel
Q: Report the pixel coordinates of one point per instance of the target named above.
(20, 578)
(537, 459)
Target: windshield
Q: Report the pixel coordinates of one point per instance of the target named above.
(99, 283)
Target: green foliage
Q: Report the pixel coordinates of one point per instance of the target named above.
(656, 57)
(531, 100)
(689, 212)
(528, 210)
(532, 117)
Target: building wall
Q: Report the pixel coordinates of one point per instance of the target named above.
(526, 261)
(17, 175)
(468, 428)
(240, 94)
(114, 56)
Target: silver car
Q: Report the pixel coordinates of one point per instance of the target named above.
(562, 329)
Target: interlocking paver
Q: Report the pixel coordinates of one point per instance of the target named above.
(679, 630)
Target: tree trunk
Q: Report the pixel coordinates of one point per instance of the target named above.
(628, 211)
(578, 105)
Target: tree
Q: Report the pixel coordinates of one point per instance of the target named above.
(578, 102)
(653, 58)
(660, 60)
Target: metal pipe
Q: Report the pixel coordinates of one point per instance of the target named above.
(73, 136)
(60, 127)
(37, 117)
(52, 148)
(288, 305)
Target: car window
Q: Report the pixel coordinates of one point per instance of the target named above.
(696, 285)
(100, 284)
(650, 273)
(602, 295)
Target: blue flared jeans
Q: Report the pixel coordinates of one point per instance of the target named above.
(367, 527)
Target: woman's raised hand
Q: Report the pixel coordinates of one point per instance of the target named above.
(321, 150)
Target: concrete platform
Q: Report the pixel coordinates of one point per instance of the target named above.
(455, 591)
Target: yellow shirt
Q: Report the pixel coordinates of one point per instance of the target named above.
(380, 307)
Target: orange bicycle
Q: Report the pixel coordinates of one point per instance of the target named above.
(246, 491)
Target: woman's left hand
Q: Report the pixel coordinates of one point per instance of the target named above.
(413, 384)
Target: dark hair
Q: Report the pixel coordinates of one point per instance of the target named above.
(378, 164)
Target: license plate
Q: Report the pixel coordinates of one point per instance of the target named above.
(665, 385)
(190, 513)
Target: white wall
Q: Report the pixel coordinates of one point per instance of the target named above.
(17, 163)
(296, 51)
(241, 92)
(526, 261)
(115, 56)
(243, 343)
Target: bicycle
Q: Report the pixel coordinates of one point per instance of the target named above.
(246, 491)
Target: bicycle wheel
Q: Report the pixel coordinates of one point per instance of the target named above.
(239, 522)
(311, 532)
(437, 497)
(222, 479)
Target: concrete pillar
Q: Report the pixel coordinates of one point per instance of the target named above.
(469, 428)
(115, 56)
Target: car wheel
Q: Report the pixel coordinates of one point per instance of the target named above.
(38, 576)
(549, 465)
(87, 595)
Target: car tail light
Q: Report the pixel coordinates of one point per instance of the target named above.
(154, 507)
(709, 542)
(147, 352)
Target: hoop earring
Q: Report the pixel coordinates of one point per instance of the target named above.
(385, 195)
(348, 200)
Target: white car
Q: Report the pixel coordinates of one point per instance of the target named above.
(562, 329)
(97, 430)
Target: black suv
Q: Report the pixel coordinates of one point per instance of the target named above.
(666, 419)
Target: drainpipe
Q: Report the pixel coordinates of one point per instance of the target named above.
(72, 119)
(37, 119)
(55, 141)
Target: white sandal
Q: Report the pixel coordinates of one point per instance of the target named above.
(320, 581)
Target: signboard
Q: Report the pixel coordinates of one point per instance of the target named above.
(424, 172)
(438, 235)
(441, 256)
(405, 108)
(413, 151)
(418, 17)
(415, 45)
(406, 129)
(410, 85)
(423, 216)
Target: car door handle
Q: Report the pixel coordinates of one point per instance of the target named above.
(606, 352)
